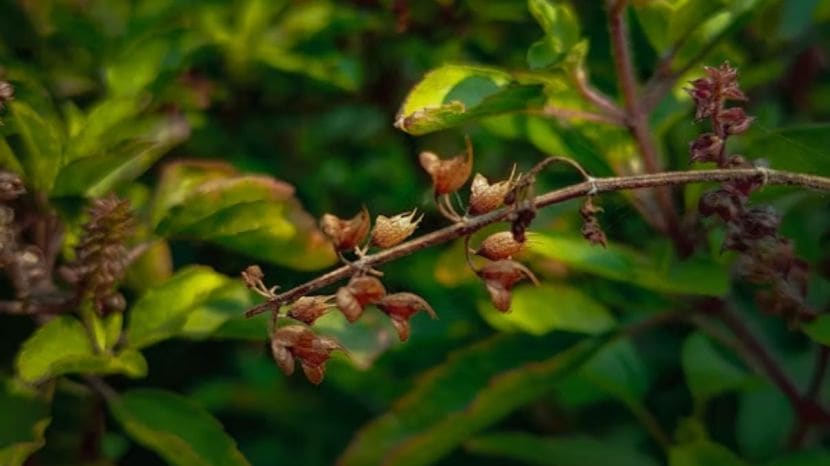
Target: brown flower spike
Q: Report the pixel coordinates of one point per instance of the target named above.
(448, 174)
(391, 231)
(486, 197)
(501, 245)
(400, 307)
(353, 298)
(346, 234)
(299, 342)
(499, 278)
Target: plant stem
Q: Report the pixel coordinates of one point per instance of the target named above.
(591, 187)
(637, 121)
(807, 410)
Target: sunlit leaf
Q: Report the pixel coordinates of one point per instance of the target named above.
(549, 307)
(96, 175)
(43, 142)
(454, 94)
(616, 262)
(255, 215)
(194, 302)
(561, 27)
(473, 389)
(63, 346)
(556, 451)
(23, 423)
(174, 427)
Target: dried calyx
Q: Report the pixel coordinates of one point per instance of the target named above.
(766, 257)
(448, 176)
(346, 235)
(293, 343)
(390, 231)
(499, 278)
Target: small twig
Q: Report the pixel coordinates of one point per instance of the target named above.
(597, 185)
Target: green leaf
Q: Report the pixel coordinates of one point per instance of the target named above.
(757, 437)
(620, 371)
(23, 423)
(475, 388)
(174, 427)
(136, 67)
(540, 310)
(561, 27)
(819, 329)
(454, 94)
(194, 302)
(92, 136)
(7, 158)
(797, 148)
(96, 175)
(255, 215)
(693, 276)
(556, 451)
(43, 142)
(703, 453)
(63, 346)
(709, 374)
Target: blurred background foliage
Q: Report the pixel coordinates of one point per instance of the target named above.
(231, 125)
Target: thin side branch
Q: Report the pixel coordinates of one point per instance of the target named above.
(594, 186)
(637, 118)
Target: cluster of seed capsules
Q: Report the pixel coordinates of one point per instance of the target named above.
(296, 342)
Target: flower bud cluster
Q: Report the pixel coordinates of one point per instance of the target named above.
(766, 258)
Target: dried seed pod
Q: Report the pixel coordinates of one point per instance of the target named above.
(353, 298)
(448, 174)
(297, 342)
(486, 197)
(501, 245)
(499, 278)
(400, 307)
(346, 234)
(307, 309)
(391, 231)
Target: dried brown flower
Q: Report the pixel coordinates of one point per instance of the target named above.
(486, 197)
(448, 174)
(353, 298)
(346, 234)
(501, 245)
(390, 231)
(101, 254)
(400, 307)
(499, 278)
(11, 186)
(301, 343)
(591, 228)
(307, 309)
